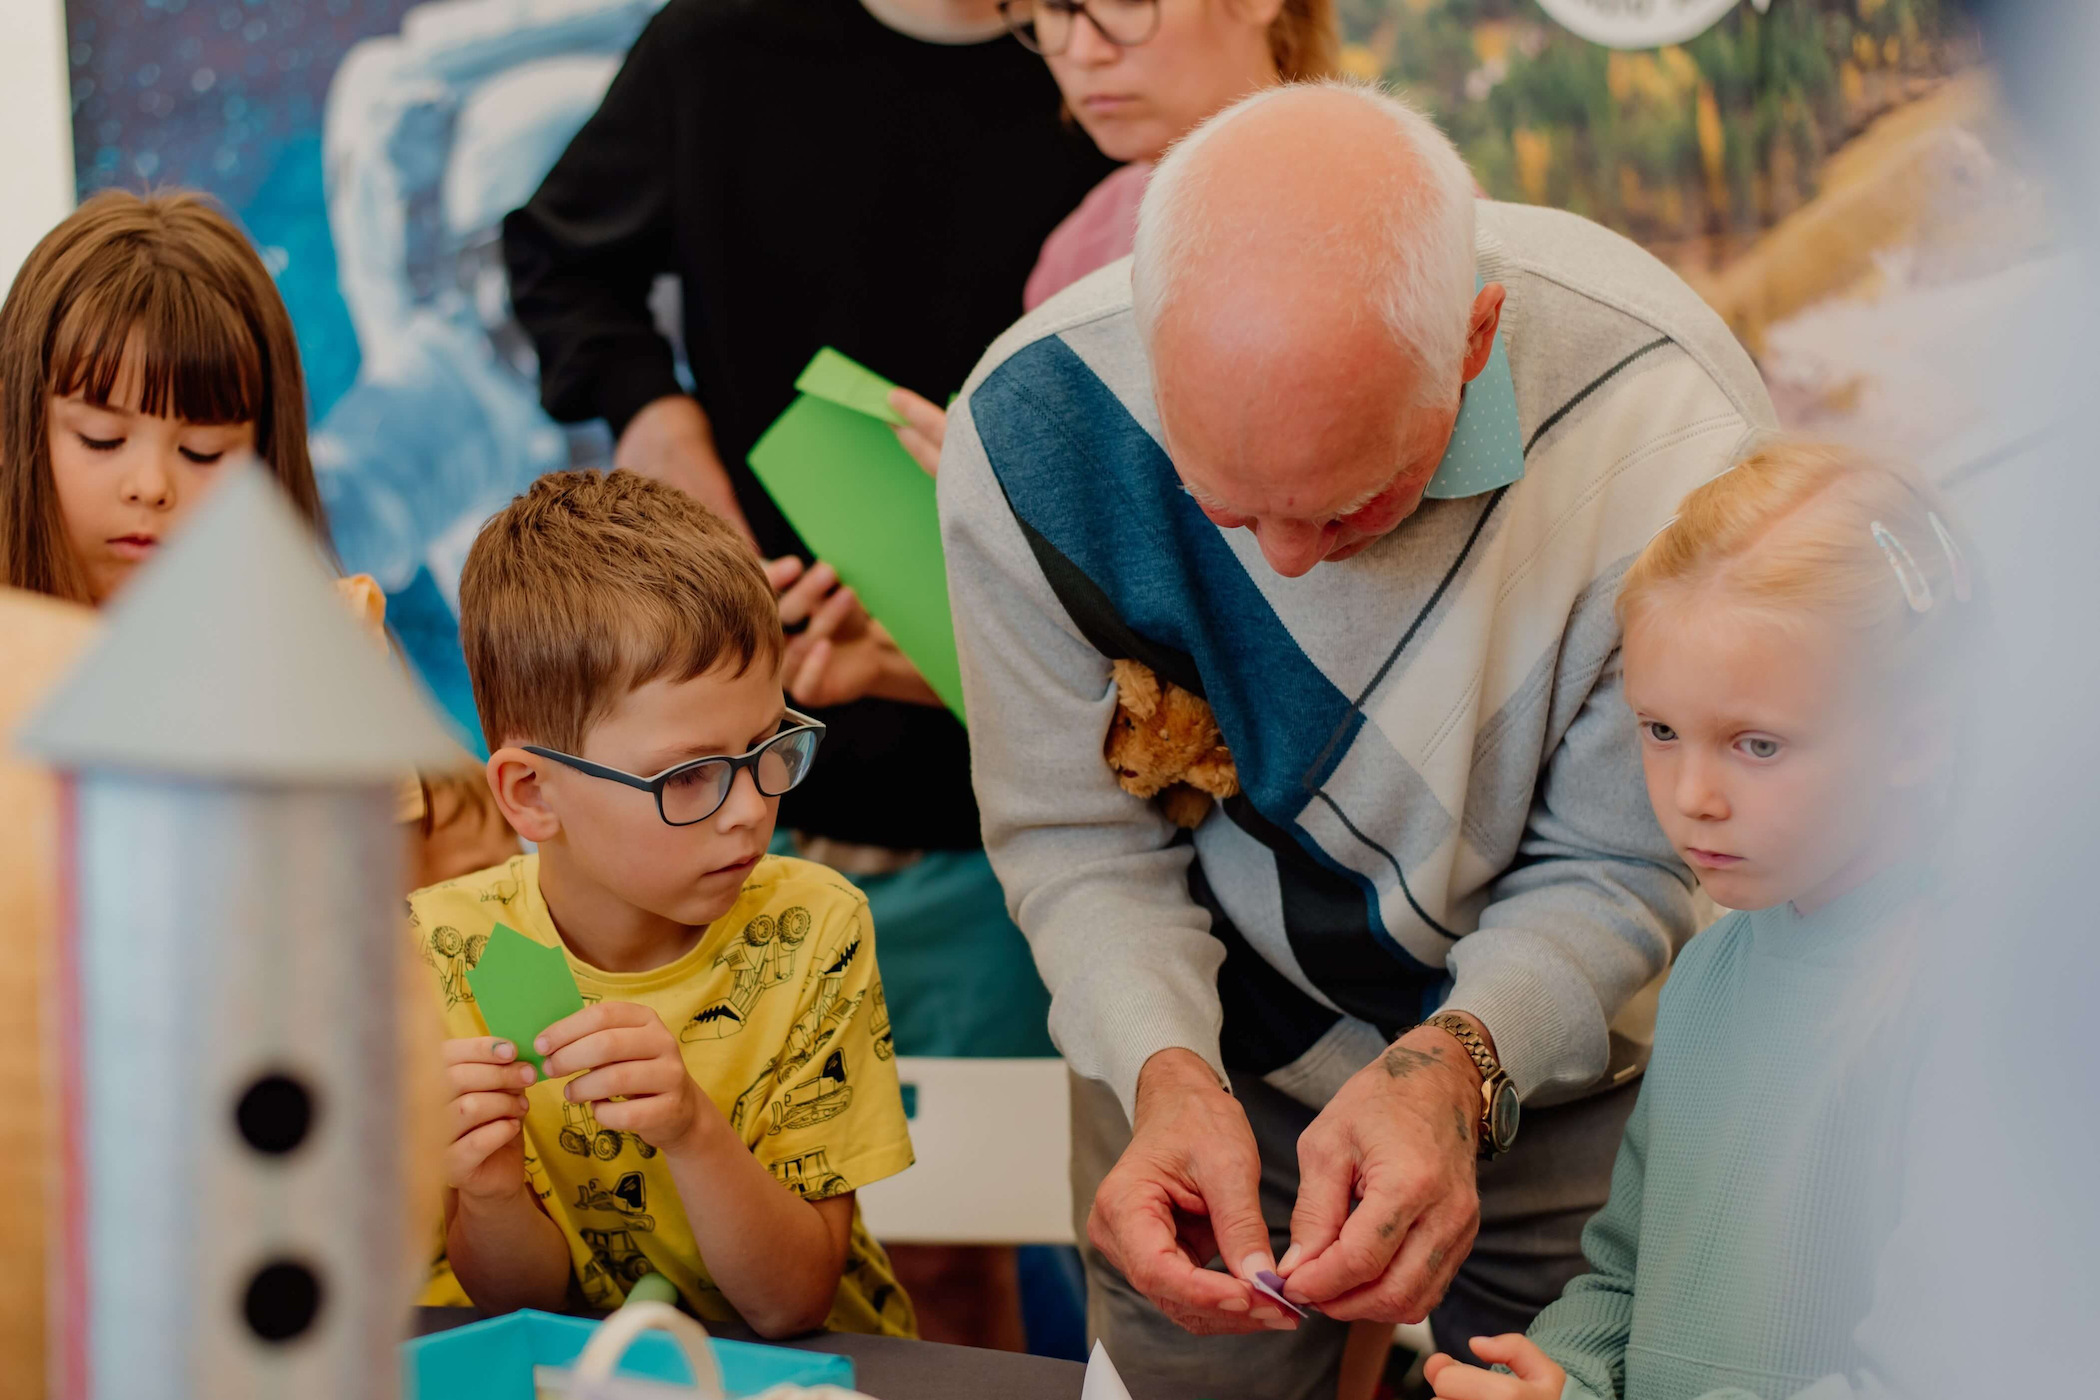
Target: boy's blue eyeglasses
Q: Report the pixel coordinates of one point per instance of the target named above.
(695, 790)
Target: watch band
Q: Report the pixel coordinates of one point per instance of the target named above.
(1499, 1109)
(1465, 1035)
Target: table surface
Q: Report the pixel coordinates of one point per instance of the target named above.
(891, 1368)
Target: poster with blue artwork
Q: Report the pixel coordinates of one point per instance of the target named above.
(371, 148)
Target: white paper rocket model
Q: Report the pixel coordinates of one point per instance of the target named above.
(232, 1194)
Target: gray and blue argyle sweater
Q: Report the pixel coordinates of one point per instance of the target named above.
(1442, 801)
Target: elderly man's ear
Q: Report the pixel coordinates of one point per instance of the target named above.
(1480, 334)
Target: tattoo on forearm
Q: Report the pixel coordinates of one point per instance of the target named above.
(1401, 1060)
(1465, 1125)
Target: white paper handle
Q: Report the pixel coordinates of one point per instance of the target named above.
(610, 1342)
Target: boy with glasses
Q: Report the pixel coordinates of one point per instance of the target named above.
(730, 1082)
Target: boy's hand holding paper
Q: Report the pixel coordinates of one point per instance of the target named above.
(522, 987)
(629, 1068)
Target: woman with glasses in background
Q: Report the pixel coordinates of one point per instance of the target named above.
(1138, 75)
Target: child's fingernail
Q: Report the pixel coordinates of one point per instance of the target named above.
(1290, 1259)
(504, 1049)
(1233, 1305)
(543, 1045)
(527, 1074)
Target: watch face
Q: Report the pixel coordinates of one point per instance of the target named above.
(1502, 1118)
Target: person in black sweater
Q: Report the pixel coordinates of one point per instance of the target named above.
(878, 177)
(813, 176)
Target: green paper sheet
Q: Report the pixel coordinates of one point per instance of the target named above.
(849, 384)
(522, 987)
(857, 499)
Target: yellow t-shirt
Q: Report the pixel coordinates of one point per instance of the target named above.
(781, 1015)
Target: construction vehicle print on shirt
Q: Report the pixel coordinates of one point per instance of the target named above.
(761, 960)
(817, 1026)
(617, 1255)
(809, 1176)
(879, 1023)
(581, 1135)
(818, 1099)
(450, 954)
(625, 1199)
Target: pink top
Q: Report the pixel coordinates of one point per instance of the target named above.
(1102, 229)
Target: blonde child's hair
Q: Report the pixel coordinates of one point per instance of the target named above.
(589, 586)
(1799, 531)
(168, 273)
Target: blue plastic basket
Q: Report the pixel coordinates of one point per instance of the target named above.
(493, 1360)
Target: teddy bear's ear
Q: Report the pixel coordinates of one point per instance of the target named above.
(1137, 689)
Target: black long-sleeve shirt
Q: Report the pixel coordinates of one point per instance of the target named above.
(813, 178)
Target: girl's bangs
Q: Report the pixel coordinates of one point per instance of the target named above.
(196, 358)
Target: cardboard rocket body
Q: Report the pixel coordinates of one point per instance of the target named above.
(232, 1225)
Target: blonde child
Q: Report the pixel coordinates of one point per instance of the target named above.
(143, 346)
(730, 1083)
(1793, 647)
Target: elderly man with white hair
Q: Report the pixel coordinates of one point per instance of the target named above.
(1359, 461)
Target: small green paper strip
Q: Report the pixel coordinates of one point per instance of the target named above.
(849, 384)
(522, 987)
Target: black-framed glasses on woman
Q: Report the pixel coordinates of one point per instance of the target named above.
(1045, 26)
(695, 790)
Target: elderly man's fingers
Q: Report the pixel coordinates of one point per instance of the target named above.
(1231, 1190)
(1326, 1183)
(1133, 1225)
(1360, 1254)
(1416, 1279)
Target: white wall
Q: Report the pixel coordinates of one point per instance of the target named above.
(36, 157)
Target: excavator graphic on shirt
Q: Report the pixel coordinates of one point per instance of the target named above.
(761, 960)
(826, 1095)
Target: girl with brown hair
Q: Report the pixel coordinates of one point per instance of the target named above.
(143, 348)
(142, 345)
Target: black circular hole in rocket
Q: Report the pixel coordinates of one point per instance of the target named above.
(282, 1301)
(275, 1115)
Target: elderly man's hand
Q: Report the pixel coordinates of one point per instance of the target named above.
(1186, 1191)
(1400, 1139)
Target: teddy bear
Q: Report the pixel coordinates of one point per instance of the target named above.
(1164, 742)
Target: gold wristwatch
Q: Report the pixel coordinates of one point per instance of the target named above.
(1499, 1106)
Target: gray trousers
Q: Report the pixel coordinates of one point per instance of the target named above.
(1534, 1202)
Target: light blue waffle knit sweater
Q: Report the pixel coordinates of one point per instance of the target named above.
(1758, 1177)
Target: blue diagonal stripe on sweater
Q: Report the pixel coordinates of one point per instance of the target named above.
(1127, 524)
